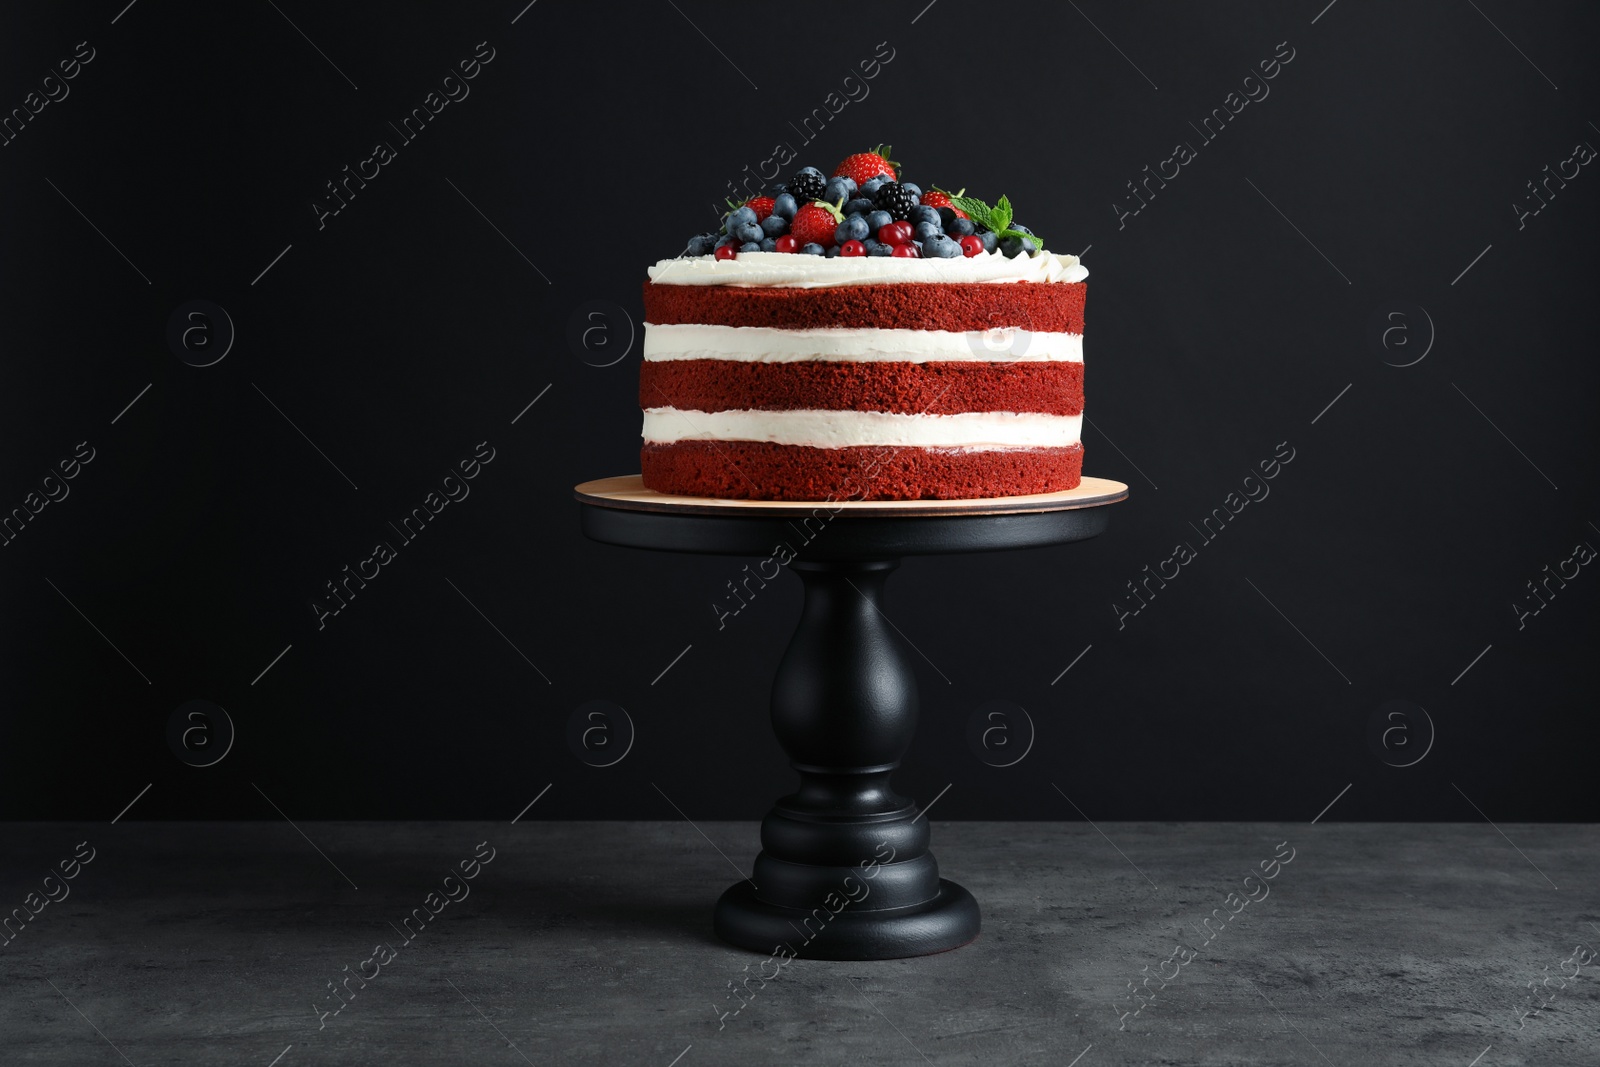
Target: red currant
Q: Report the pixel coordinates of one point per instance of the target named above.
(906, 232)
(788, 243)
(971, 245)
(888, 232)
(907, 251)
(852, 248)
(727, 252)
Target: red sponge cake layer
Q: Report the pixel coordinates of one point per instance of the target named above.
(1055, 307)
(756, 470)
(940, 388)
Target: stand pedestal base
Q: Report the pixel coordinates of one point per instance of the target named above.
(948, 921)
(845, 872)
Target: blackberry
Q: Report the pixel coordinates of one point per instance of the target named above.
(806, 187)
(895, 199)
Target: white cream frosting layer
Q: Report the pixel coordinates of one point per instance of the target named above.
(761, 344)
(793, 271)
(842, 429)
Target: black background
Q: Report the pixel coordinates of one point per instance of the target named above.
(407, 330)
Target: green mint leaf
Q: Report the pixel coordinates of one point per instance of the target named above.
(1002, 215)
(976, 210)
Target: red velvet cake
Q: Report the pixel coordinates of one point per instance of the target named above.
(845, 341)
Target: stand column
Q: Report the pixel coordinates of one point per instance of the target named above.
(845, 872)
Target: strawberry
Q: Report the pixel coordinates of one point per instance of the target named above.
(761, 205)
(864, 166)
(815, 223)
(937, 198)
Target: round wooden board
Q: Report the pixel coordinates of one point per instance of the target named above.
(627, 493)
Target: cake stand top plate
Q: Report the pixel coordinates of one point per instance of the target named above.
(622, 511)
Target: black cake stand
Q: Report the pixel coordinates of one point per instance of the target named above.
(844, 871)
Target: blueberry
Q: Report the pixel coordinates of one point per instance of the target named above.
(940, 247)
(870, 243)
(989, 240)
(769, 244)
(878, 248)
(854, 228)
(776, 188)
(914, 190)
(774, 225)
(699, 245)
(837, 189)
(869, 188)
(810, 170)
(1021, 229)
(923, 213)
(723, 241)
(860, 205)
(812, 249)
(784, 206)
(924, 230)
(1016, 246)
(958, 226)
(832, 252)
(755, 246)
(877, 220)
(747, 231)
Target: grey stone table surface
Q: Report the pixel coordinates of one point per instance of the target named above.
(590, 943)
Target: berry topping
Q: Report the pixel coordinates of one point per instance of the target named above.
(815, 223)
(864, 166)
(853, 228)
(997, 220)
(940, 198)
(896, 233)
(895, 199)
(806, 185)
(838, 189)
(863, 209)
(1017, 246)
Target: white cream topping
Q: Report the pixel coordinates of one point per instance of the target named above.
(762, 344)
(842, 429)
(794, 271)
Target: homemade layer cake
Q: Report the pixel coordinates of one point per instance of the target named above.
(880, 366)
